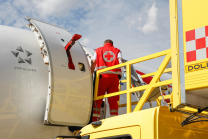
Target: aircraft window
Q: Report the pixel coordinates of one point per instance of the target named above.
(119, 137)
(62, 40)
(81, 66)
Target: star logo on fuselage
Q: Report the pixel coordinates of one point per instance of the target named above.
(20, 59)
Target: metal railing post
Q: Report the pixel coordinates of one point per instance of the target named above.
(128, 87)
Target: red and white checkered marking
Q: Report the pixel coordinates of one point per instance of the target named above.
(197, 44)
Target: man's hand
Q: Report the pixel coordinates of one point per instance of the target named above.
(124, 75)
(93, 63)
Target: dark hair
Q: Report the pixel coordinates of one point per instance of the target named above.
(108, 41)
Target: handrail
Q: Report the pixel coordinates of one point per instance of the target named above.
(136, 89)
(136, 102)
(148, 88)
(153, 73)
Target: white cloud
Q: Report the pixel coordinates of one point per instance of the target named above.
(91, 5)
(97, 20)
(56, 7)
(9, 15)
(140, 17)
(20, 23)
(131, 24)
(85, 41)
(151, 24)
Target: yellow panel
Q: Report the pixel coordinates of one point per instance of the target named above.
(169, 126)
(195, 18)
(194, 14)
(196, 80)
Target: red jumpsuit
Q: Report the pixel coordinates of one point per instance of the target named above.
(109, 81)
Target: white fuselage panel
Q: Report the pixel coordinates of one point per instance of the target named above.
(23, 87)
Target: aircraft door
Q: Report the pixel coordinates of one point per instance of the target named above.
(70, 93)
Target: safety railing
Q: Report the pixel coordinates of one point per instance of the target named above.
(148, 88)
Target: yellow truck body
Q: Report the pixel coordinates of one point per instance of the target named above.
(153, 123)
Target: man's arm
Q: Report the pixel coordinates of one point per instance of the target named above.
(120, 62)
(93, 63)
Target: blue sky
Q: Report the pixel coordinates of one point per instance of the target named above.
(137, 27)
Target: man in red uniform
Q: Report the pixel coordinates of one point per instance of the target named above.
(104, 57)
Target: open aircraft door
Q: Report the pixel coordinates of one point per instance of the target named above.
(189, 47)
(70, 94)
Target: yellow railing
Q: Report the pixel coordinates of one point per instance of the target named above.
(148, 88)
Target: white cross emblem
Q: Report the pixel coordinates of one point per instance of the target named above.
(108, 56)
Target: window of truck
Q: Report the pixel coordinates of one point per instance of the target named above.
(119, 137)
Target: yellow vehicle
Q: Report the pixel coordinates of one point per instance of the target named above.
(186, 115)
(154, 123)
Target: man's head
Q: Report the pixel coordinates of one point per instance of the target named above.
(108, 41)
